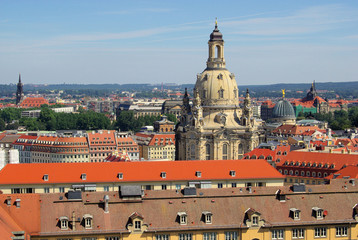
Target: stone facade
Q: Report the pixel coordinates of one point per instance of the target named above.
(215, 126)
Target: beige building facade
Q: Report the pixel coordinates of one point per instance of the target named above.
(215, 126)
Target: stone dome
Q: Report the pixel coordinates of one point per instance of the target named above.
(283, 110)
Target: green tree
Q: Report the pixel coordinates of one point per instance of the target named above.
(2, 125)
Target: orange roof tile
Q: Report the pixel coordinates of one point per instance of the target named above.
(349, 171)
(338, 160)
(135, 171)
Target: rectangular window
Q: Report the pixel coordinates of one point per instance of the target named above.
(233, 185)
(320, 232)
(177, 186)
(112, 238)
(162, 237)
(164, 187)
(298, 233)
(255, 220)
(89, 238)
(230, 235)
(105, 188)
(341, 231)
(137, 225)
(277, 234)
(46, 190)
(61, 189)
(209, 236)
(185, 236)
(220, 185)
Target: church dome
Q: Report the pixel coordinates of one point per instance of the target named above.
(216, 86)
(283, 110)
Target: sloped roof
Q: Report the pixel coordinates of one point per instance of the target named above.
(338, 160)
(159, 209)
(135, 171)
(349, 171)
(25, 218)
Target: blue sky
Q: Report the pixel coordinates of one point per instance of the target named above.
(166, 41)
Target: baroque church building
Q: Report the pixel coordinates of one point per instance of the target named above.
(215, 127)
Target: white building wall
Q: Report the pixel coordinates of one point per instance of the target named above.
(13, 156)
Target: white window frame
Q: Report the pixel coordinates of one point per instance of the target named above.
(277, 234)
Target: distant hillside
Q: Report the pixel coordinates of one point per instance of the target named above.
(327, 89)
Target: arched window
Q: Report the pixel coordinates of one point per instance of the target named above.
(261, 157)
(225, 151)
(192, 152)
(285, 172)
(325, 174)
(221, 93)
(308, 173)
(241, 149)
(319, 174)
(207, 151)
(217, 51)
(291, 172)
(296, 172)
(302, 173)
(313, 174)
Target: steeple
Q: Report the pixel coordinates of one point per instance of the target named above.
(216, 50)
(19, 91)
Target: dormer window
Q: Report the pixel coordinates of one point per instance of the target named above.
(208, 217)
(183, 218)
(64, 223)
(255, 220)
(45, 177)
(198, 174)
(120, 175)
(83, 176)
(88, 221)
(163, 174)
(137, 225)
(295, 213)
(318, 212)
(232, 173)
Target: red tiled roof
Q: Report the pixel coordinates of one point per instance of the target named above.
(33, 102)
(135, 171)
(349, 171)
(24, 218)
(338, 160)
(295, 129)
(162, 139)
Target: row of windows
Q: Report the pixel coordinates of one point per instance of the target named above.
(303, 164)
(303, 173)
(319, 232)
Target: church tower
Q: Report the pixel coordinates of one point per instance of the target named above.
(19, 91)
(215, 126)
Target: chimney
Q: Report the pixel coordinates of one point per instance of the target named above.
(73, 221)
(17, 202)
(106, 199)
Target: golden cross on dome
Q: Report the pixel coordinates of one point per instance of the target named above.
(216, 22)
(283, 93)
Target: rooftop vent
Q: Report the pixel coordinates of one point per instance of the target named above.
(299, 188)
(189, 191)
(74, 195)
(131, 191)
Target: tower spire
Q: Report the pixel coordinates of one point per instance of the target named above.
(19, 77)
(216, 22)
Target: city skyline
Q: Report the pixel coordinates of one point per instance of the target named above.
(159, 41)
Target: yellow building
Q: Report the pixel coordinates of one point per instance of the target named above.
(320, 212)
